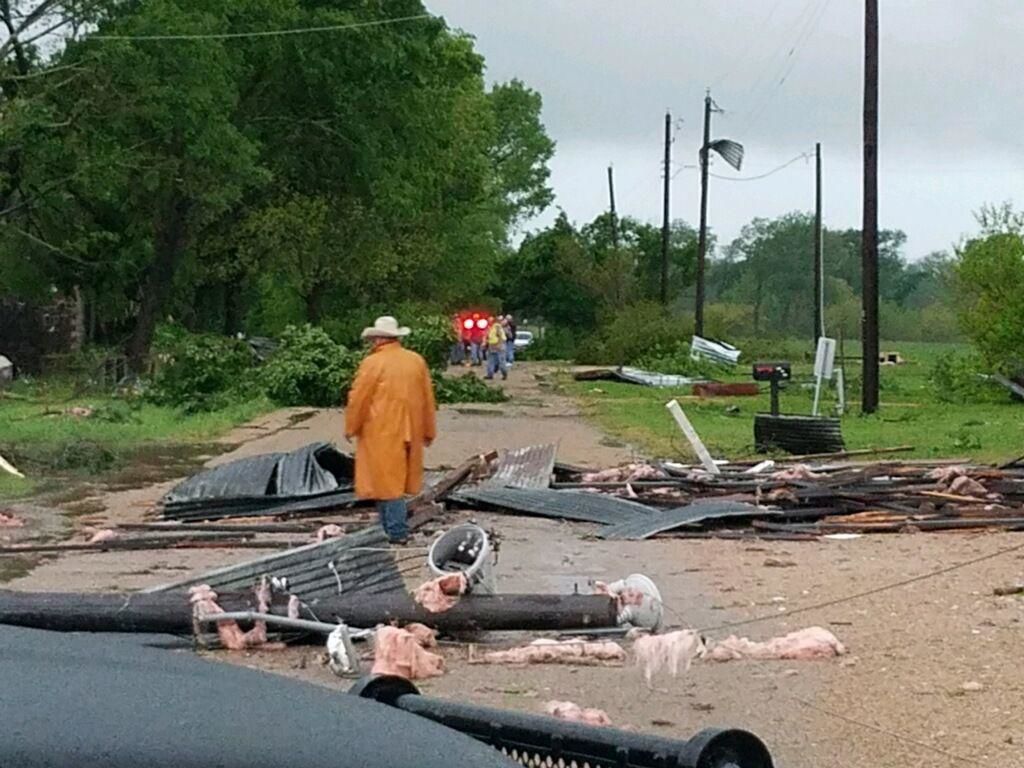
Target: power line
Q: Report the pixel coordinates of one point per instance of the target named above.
(263, 33)
(768, 64)
(869, 592)
(801, 156)
(891, 734)
(789, 62)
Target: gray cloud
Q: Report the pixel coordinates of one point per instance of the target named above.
(788, 73)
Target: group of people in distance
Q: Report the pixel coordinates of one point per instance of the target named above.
(491, 342)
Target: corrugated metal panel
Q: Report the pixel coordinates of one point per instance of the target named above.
(220, 509)
(652, 379)
(712, 349)
(666, 520)
(529, 467)
(362, 560)
(562, 505)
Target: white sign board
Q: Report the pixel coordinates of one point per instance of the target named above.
(824, 359)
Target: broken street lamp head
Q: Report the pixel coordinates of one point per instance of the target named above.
(772, 372)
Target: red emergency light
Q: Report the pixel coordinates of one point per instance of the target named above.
(470, 321)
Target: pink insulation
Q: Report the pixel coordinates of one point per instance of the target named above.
(400, 652)
(955, 480)
(795, 472)
(330, 531)
(626, 472)
(424, 635)
(103, 536)
(802, 645)
(568, 710)
(544, 651)
(231, 636)
(8, 520)
(440, 594)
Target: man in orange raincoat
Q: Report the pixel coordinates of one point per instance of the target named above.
(391, 414)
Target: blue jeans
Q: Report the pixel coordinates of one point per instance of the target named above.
(475, 353)
(393, 519)
(458, 353)
(510, 351)
(496, 362)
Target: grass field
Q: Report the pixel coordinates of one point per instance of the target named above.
(989, 428)
(43, 439)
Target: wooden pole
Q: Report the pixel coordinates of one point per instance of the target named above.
(171, 612)
(665, 210)
(869, 230)
(819, 296)
(702, 237)
(611, 209)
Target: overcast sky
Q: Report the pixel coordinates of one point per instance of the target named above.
(787, 73)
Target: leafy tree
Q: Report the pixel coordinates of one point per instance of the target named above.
(990, 286)
(520, 150)
(550, 277)
(249, 183)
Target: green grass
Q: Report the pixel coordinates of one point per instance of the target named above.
(45, 442)
(989, 428)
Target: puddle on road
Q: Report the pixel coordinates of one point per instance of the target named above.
(156, 463)
(15, 567)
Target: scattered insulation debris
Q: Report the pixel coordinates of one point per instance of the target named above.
(803, 645)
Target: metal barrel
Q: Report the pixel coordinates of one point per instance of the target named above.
(538, 741)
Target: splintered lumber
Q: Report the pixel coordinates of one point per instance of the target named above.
(8, 467)
(192, 540)
(171, 612)
(857, 452)
(423, 507)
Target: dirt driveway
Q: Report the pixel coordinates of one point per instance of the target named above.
(932, 677)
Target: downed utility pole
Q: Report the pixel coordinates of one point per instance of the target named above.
(171, 612)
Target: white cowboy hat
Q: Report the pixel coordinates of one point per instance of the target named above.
(385, 327)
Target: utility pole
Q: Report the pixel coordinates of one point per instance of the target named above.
(702, 241)
(611, 202)
(665, 211)
(869, 229)
(819, 303)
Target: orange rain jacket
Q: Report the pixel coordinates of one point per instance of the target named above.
(391, 413)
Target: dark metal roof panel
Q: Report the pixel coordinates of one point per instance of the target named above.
(529, 467)
(562, 505)
(666, 520)
(362, 562)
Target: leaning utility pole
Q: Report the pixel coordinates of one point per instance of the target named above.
(665, 212)
(819, 328)
(869, 229)
(611, 203)
(702, 241)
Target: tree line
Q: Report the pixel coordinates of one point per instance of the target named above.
(234, 181)
(759, 285)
